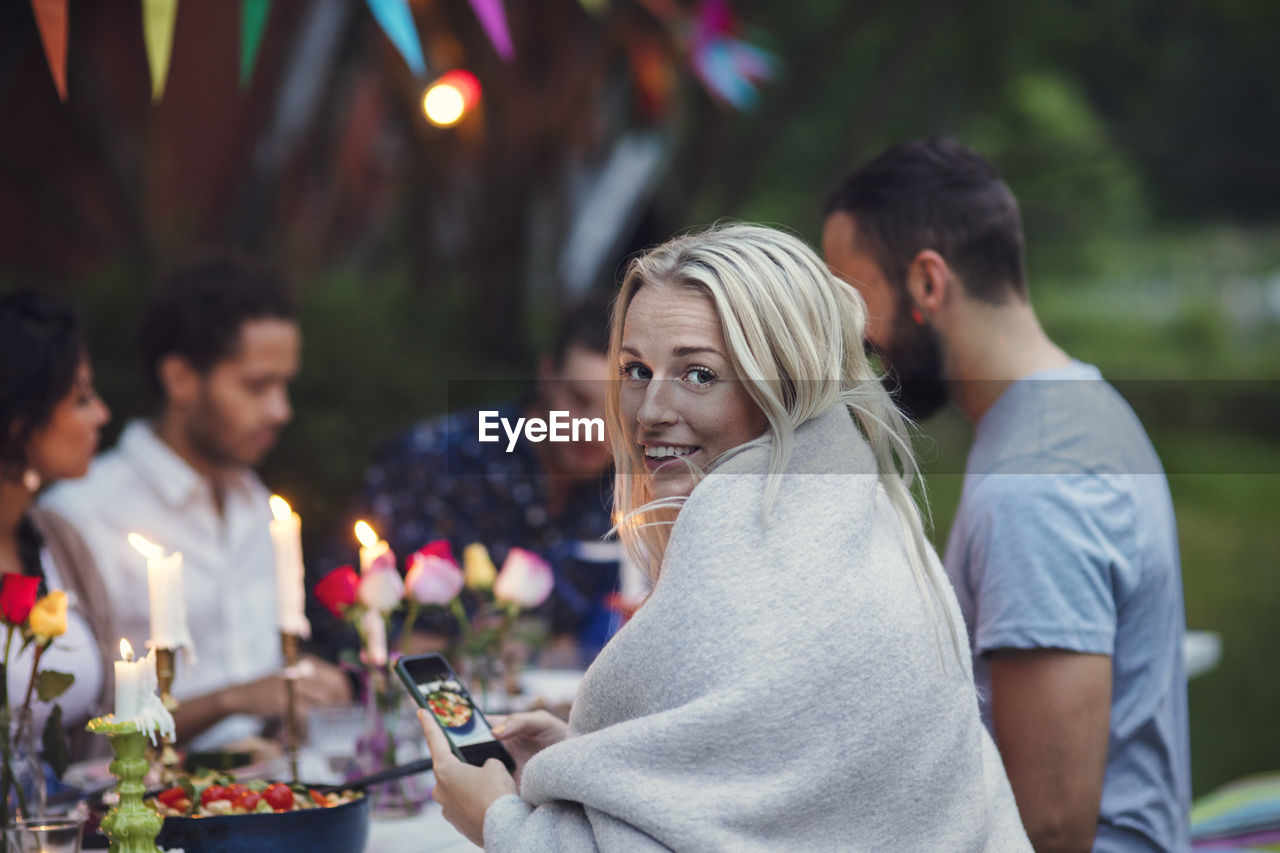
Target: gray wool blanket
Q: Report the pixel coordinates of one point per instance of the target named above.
(784, 688)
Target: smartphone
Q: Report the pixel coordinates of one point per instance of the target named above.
(435, 686)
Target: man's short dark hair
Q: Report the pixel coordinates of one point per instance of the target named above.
(937, 194)
(199, 309)
(585, 323)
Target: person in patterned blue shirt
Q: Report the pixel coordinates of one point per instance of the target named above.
(437, 480)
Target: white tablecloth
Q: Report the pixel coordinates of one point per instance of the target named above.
(429, 832)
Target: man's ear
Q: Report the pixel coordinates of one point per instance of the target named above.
(179, 379)
(928, 278)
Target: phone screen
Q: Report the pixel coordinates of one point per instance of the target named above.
(435, 687)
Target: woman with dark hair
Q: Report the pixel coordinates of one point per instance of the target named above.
(49, 421)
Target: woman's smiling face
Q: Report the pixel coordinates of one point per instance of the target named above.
(679, 397)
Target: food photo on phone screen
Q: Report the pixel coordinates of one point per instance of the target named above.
(451, 705)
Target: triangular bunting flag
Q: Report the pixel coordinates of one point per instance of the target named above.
(51, 18)
(729, 67)
(396, 21)
(493, 17)
(253, 20)
(595, 7)
(158, 19)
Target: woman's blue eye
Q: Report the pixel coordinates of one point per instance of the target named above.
(700, 376)
(635, 372)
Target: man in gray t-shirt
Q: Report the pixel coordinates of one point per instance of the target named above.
(1064, 552)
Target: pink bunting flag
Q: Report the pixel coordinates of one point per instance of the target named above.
(493, 17)
(51, 18)
(158, 19)
(727, 66)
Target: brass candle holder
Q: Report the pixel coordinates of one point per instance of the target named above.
(166, 666)
(292, 738)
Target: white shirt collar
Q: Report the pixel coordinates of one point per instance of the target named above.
(172, 478)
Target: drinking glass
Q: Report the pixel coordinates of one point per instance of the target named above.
(331, 738)
(45, 835)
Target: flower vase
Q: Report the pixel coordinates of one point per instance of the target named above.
(22, 782)
(392, 736)
(486, 677)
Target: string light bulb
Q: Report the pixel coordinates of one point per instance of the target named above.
(450, 97)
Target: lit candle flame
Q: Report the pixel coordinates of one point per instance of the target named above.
(145, 547)
(280, 508)
(366, 535)
(126, 650)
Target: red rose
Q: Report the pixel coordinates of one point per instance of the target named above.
(436, 548)
(17, 597)
(337, 589)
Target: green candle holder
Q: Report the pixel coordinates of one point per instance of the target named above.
(132, 826)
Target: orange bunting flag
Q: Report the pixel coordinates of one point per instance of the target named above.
(158, 19)
(51, 18)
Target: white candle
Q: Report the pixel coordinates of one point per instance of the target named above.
(286, 536)
(373, 551)
(164, 585)
(375, 633)
(129, 683)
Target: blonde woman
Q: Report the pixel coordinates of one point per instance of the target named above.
(797, 680)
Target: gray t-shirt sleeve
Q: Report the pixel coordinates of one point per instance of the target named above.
(1045, 552)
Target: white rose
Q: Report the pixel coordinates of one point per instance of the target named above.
(525, 580)
(380, 589)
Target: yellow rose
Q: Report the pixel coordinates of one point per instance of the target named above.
(48, 618)
(478, 571)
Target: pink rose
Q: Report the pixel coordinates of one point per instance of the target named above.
(437, 548)
(432, 579)
(380, 589)
(525, 580)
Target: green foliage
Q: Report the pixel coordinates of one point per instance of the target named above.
(1073, 182)
(53, 743)
(378, 355)
(50, 684)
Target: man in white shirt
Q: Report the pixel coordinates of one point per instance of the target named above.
(220, 345)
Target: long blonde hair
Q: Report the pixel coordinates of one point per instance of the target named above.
(794, 335)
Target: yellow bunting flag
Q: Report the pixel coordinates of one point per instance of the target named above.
(51, 18)
(158, 18)
(595, 7)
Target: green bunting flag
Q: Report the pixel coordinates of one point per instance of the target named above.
(253, 21)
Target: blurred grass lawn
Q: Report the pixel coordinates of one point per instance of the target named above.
(1228, 525)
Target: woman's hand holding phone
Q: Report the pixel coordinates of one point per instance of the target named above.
(526, 734)
(464, 791)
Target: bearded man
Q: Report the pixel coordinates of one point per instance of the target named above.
(1064, 552)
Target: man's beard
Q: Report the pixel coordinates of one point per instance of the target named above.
(914, 364)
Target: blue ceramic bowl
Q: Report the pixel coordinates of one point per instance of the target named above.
(338, 829)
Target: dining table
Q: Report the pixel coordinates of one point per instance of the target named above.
(428, 831)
